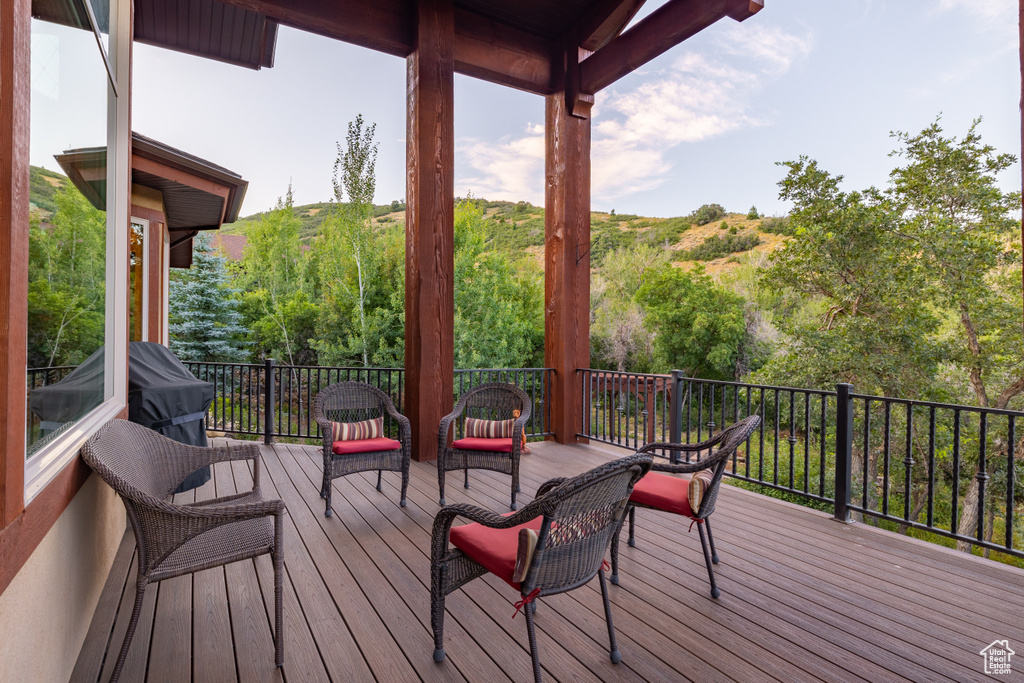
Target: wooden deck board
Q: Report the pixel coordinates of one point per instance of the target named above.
(803, 597)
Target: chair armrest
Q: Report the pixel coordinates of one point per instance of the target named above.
(696, 466)
(684, 447)
(550, 484)
(238, 511)
(444, 427)
(186, 459)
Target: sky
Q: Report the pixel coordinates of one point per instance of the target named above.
(706, 122)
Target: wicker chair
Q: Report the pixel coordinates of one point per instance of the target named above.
(357, 402)
(144, 467)
(491, 401)
(574, 520)
(658, 491)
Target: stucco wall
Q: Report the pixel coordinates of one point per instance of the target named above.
(46, 610)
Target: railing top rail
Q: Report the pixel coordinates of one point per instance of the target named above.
(53, 367)
(502, 369)
(770, 387)
(933, 404)
(625, 374)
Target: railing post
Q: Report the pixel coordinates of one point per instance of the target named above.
(268, 401)
(675, 422)
(844, 452)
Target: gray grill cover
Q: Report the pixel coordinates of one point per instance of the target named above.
(164, 396)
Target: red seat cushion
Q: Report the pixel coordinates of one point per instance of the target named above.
(494, 549)
(472, 443)
(366, 446)
(663, 492)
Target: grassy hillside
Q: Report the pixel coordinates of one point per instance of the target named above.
(714, 238)
(42, 186)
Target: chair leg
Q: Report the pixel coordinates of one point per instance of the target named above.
(378, 479)
(405, 483)
(632, 527)
(515, 488)
(140, 590)
(615, 554)
(711, 541)
(534, 654)
(614, 653)
(465, 472)
(327, 498)
(437, 613)
(707, 560)
(278, 557)
(440, 480)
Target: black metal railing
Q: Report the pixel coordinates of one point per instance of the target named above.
(892, 462)
(247, 402)
(36, 378)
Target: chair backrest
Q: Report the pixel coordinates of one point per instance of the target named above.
(351, 402)
(732, 437)
(493, 401)
(135, 461)
(580, 517)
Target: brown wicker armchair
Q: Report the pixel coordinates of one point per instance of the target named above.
(354, 402)
(659, 491)
(493, 401)
(144, 467)
(569, 526)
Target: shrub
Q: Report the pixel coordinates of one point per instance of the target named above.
(776, 225)
(716, 246)
(723, 226)
(708, 213)
(753, 215)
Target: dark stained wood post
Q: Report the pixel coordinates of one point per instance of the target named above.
(15, 32)
(566, 259)
(429, 225)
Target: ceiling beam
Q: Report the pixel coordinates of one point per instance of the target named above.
(666, 27)
(484, 48)
(605, 22)
(498, 53)
(382, 25)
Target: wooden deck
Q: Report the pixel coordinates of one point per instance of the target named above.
(803, 597)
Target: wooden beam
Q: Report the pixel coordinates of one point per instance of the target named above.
(606, 21)
(382, 25)
(498, 53)
(429, 226)
(566, 260)
(15, 38)
(666, 27)
(484, 48)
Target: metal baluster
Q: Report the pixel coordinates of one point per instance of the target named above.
(887, 445)
(955, 503)
(908, 462)
(931, 466)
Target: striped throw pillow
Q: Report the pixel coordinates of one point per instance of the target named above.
(698, 486)
(489, 429)
(524, 554)
(356, 431)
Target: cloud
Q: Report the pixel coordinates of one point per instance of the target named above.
(702, 94)
(983, 10)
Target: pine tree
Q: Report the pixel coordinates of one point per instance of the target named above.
(205, 324)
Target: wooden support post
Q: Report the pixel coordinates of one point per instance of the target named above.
(566, 260)
(15, 36)
(429, 225)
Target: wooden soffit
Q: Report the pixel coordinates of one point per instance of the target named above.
(532, 45)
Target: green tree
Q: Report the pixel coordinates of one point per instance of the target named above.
(619, 333)
(67, 268)
(498, 303)
(348, 258)
(698, 325)
(204, 323)
(958, 222)
(275, 307)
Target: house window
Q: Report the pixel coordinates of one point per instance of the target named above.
(74, 231)
(138, 281)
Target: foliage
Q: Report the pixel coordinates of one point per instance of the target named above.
(498, 303)
(753, 215)
(619, 336)
(717, 246)
(204, 323)
(708, 213)
(776, 225)
(43, 187)
(67, 270)
(698, 325)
